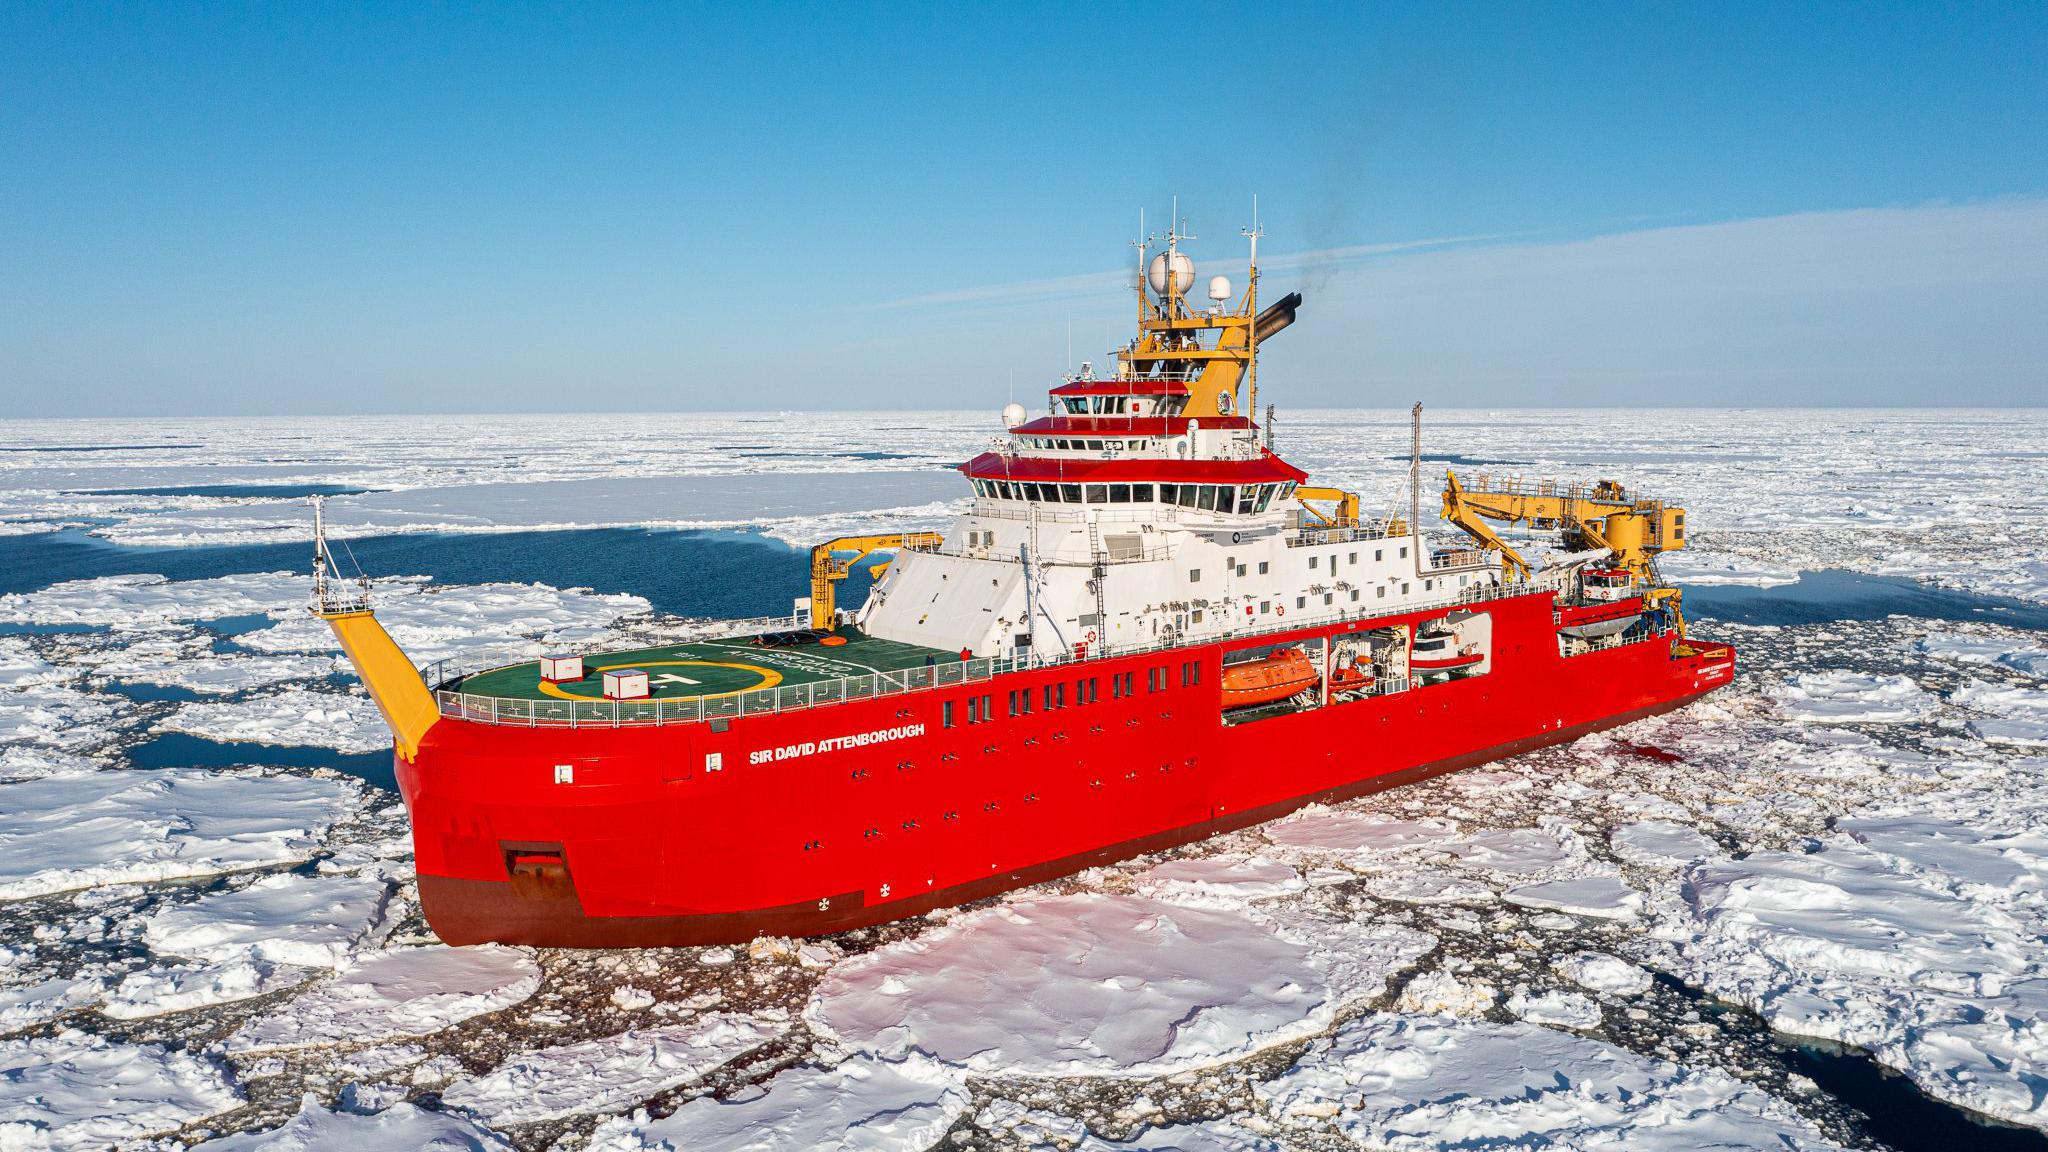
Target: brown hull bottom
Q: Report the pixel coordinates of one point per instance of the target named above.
(477, 911)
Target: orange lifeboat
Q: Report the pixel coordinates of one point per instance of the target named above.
(1271, 678)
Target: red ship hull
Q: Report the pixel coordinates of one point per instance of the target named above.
(646, 843)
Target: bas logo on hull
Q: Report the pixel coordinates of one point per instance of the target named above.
(836, 743)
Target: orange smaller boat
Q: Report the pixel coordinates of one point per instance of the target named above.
(1265, 680)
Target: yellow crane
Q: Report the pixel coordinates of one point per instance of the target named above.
(1344, 510)
(1632, 529)
(832, 560)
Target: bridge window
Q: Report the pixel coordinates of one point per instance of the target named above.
(1141, 493)
(1072, 492)
(1169, 493)
(1189, 494)
(1098, 494)
(1119, 493)
(1206, 501)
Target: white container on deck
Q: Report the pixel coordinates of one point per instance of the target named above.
(557, 669)
(625, 684)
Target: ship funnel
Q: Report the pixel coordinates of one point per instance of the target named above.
(1277, 317)
(389, 676)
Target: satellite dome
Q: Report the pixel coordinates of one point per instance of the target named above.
(1013, 415)
(1183, 273)
(1219, 288)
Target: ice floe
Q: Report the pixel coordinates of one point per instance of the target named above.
(1602, 897)
(610, 1072)
(185, 987)
(142, 602)
(859, 1105)
(398, 1128)
(1837, 696)
(2007, 713)
(118, 827)
(20, 667)
(314, 921)
(396, 993)
(59, 716)
(344, 721)
(1096, 985)
(1916, 937)
(75, 1090)
(1600, 972)
(38, 1003)
(467, 623)
(1431, 1082)
(1660, 843)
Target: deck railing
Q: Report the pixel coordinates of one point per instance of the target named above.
(456, 704)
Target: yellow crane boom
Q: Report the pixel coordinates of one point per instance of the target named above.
(832, 560)
(1600, 515)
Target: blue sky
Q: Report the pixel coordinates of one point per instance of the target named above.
(221, 209)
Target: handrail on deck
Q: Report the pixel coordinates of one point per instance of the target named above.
(520, 711)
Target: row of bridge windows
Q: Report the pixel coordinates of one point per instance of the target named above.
(1236, 498)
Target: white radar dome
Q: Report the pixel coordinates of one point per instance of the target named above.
(1013, 415)
(1219, 288)
(1183, 273)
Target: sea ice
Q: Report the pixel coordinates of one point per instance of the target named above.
(396, 993)
(1557, 1008)
(209, 672)
(184, 987)
(121, 827)
(1701, 568)
(2009, 713)
(1514, 851)
(399, 1128)
(862, 1104)
(1600, 972)
(20, 667)
(75, 1090)
(1835, 696)
(1660, 843)
(466, 623)
(46, 1000)
(1365, 833)
(57, 716)
(1916, 937)
(1429, 1082)
(344, 721)
(1089, 984)
(1430, 888)
(610, 1072)
(1223, 881)
(144, 602)
(1602, 897)
(1442, 993)
(314, 921)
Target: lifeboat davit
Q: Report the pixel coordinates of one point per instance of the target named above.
(1270, 678)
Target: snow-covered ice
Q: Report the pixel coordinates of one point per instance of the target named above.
(862, 1104)
(75, 1090)
(119, 827)
(608, 1073)
(396, 993)
(1660, 843)
(184, 987)
(1838, 696)
(399, 1128)
(1915, 936)
(1604, 897)
(1432, 1082)
(1558, 1008)
(1089, 984)
(344, 721)
(1600, 972)
(314, 921)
